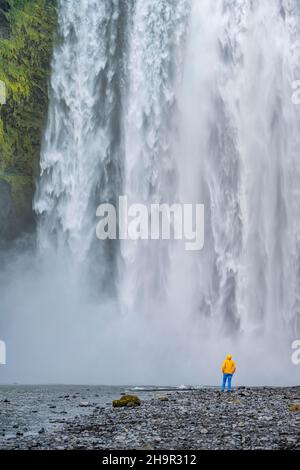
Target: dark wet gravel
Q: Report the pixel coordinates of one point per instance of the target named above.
(249, 418)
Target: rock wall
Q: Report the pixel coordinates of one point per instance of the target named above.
(27, 31)
(8, 219)
(4, 24)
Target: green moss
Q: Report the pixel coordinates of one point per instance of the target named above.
(24, 68)
(127, 400)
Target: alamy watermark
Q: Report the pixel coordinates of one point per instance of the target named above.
(296, 354)
(2, 93)
(2, 353)
(152, 222)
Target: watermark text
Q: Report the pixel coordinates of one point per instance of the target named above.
(2, 353)
(296, 353)
(154, 222)
(2, 93)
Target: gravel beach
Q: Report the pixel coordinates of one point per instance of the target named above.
(81, 418)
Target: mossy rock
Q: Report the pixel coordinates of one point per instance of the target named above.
(126, 400)
(295, 407)
(163, 398)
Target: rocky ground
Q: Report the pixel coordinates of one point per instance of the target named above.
(248, 418)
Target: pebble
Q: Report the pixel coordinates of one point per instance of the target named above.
(196, 419)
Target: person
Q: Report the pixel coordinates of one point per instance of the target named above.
(228, 369)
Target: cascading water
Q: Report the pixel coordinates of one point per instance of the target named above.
(80, 162)
(150, 169)
(240, 135)
(187, 101)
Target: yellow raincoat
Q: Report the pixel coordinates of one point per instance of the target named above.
(228, 366)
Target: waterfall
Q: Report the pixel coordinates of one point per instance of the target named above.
(191, 102)
(150, 168)
(238, 154)
(80, 161)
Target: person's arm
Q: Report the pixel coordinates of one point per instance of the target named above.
(234, 368)
(223, 367)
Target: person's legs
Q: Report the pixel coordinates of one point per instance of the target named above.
(229, 381)
(224, 382)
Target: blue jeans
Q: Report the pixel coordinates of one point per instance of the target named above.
(225, 378)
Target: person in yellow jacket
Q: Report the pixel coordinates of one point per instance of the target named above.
(228, 369)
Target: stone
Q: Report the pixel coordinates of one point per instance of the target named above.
(127, 400)
(294, 407)
(163, 398)
(196, 421)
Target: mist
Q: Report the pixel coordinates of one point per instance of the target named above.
(56, 333)
(198, 110)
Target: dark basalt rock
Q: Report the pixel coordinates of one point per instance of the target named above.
(4, 25)
(8, 220)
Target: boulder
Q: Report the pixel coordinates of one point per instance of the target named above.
(163, 398)
(295, 407)
(126, 400)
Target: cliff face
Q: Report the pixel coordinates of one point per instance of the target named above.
(8, 229)
(27, 30)
(4, 25)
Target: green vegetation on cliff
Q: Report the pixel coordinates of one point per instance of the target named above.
(25, 55)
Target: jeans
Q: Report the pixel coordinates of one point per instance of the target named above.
(225, 378)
